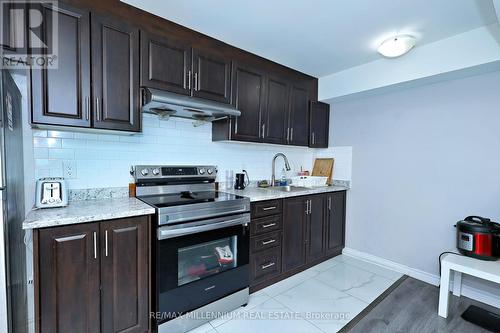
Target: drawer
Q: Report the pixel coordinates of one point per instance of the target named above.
(265, 265)
(266, 208)
(266, 241)
(266, 224)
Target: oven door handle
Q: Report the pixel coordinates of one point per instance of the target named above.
(167, 232)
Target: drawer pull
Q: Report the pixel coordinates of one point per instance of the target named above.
(271, 264)
(269, 208)
(268, 242)
(268, 225)
(210, 288)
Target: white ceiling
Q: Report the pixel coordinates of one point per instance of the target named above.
(320, 37)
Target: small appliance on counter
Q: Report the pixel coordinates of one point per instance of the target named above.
(478, 237)
(240, 183)
(51, 192)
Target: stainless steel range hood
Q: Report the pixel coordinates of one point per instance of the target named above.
(166, 104)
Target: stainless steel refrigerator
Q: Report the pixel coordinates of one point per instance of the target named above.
(13, 279)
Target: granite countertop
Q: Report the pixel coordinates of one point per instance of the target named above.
(263, 194)
(87, 211)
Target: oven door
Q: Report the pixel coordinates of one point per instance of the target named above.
(200, 262)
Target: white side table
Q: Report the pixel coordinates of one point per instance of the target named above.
(487, 270)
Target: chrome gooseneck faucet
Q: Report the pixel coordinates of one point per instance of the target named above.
(287, 166)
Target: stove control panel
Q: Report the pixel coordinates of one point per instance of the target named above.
(152, 172)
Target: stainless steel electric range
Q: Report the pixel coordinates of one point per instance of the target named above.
(201, 245)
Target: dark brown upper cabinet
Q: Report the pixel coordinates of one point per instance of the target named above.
(248, 97)
(175, 66)
(299, 116)
(211, 76)
(319, 125)
(335, 222)
(115, 75)
(165, 64)
(61, 96)
(276, 111)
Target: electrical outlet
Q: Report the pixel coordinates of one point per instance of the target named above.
(69, 169)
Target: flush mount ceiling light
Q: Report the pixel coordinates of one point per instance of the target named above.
(396, 46)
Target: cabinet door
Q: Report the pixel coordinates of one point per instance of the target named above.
(320, 125)
(294, 227)
(276, 111)
(124, 270)
(61, 96)
(248, 97)
(212, 77)
(165, 64)
(335, 222)
(316, 218)
(299, 116)
(115, 80)
(68, 263)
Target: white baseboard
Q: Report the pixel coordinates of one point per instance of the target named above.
(467, 291)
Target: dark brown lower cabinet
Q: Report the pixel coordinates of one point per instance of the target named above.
(311, 228)
(315, 245)
(335, 222)
(124, 275)
(294, 229)
(93, 277)
(69, 281)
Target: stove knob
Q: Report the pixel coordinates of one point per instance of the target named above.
(210, 171)
(156, 171)
(144, 172)
(202, 171)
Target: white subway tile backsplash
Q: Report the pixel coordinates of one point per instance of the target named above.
(104, 160)
(41, 152)
(60, 154)
(40, 142)
(60, 134)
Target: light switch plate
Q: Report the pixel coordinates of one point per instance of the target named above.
(69, 169)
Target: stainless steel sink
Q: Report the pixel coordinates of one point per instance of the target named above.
(288, 188)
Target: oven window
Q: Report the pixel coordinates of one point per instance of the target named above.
(206, 259)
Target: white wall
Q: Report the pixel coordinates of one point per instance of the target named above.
(423, 158)
(105, 160)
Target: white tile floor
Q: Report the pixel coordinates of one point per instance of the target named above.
(323, 298)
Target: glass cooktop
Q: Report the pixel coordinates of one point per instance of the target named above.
(188, 198)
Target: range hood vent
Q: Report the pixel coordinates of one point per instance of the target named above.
(166, 104)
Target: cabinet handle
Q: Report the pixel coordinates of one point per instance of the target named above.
(310, 207)
(210, 288)
(263, 130)
(268, 225)
(313, 139)
(268, 242)
(106, 243)
(184, 82)
(291, 134)
(329, 203)
(98, 109)
(288, 134)
(95, 245)
(271, 264)
(87, 108)
(307, 207)
(196, 82)
(189, 80)
(269, 208)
